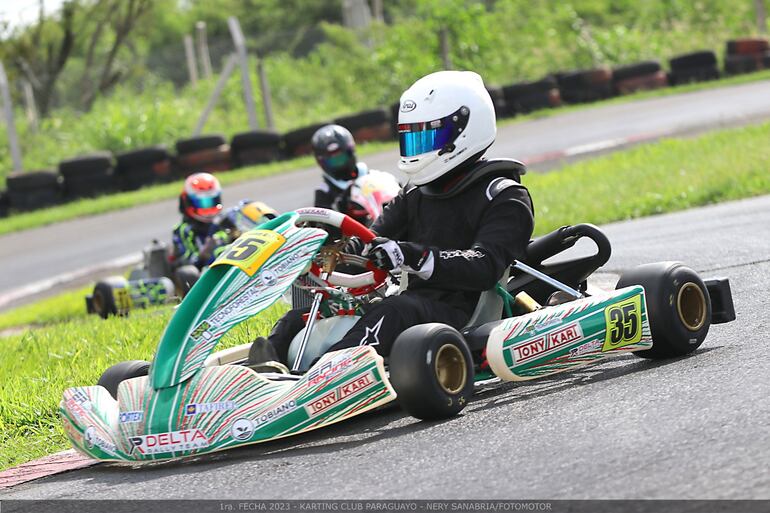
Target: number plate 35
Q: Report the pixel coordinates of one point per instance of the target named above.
(624, 323)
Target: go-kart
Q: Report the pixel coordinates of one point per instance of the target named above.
(160, 278)
(191, 400)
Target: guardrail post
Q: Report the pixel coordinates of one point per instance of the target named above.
(267, 100)
(240, 50)
(203, 48)
(10, 126)
(189, 53)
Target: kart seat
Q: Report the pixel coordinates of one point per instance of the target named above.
(490, 306)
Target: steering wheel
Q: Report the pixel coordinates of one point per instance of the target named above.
(357, 284)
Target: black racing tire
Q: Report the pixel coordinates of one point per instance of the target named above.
(694, 74)
(498, 101)
(700, 59)
(32, 180)
(738, 64)
(5, 203)
(678, 307)
(368, 118)
(255, 139)
(431, 370)
(297, 141)
(105, 302)
(94, 164)
(202, 142)
(115, 375)
(142, 157)
(638, 69)
(184, 278)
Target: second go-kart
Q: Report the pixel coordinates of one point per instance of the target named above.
(191, 400)
(161, 278)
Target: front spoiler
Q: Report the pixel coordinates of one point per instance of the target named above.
(221, 407)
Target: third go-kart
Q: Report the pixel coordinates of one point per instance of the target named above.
(191, 400)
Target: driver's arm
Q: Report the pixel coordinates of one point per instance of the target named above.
(393, 220)
(503, 235)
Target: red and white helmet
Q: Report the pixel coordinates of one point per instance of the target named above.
(445, 119)
(201, 197)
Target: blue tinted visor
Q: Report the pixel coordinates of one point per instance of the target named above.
(205, 201)
(336, 161)
(418, 138)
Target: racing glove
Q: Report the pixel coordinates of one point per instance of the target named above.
(354, 246)
(410, 257)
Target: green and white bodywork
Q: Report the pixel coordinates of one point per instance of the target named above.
(189, 405)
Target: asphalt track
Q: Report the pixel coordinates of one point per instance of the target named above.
(689, 428)
(66, 248)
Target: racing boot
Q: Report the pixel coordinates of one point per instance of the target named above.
(264, 358)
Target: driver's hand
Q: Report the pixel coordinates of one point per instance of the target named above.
(354, 246)
(389, 254)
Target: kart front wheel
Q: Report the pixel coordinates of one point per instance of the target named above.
(109, 297)
(678, 307)
(432, 371)
(120, 372)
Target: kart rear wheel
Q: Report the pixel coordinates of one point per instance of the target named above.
(678, 307)
(432, 371)
(105, 297)
(185, 277)
(120, 372)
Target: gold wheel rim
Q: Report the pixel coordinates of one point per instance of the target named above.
(691, 306)
(450, 369)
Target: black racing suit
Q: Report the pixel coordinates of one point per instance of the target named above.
(474, 229)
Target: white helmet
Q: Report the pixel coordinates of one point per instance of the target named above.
(445, 118)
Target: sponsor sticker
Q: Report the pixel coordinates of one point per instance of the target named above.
(242, 429)
(342, 392)
(93, 439)
(408, 106)
(268, 277)
(173, 441)
(588, 347)
(197, 408)
(275, 413)
(328, 370)
(550, 341)
(201, 331)
(76, 408)
(130, 417)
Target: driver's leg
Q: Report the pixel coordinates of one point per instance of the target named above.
(385, 321)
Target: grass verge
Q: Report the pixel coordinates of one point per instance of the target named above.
(151, 194)
(665, 176)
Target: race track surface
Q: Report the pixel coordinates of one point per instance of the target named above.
(694, 427)
(34, 255)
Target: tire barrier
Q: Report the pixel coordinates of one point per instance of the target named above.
(583, 86)
(747, 55)
(31, 190)
(145, 166)
(297, 142)
(5, 204)
(255, 147)
(639, 77)
(498, 101)
(525, 97)
(693, 67)
(88, 175)
(370, 125)
(206, 153)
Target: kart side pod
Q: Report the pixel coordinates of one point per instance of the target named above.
(571, 335)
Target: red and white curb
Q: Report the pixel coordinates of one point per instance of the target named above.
(44, 467)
